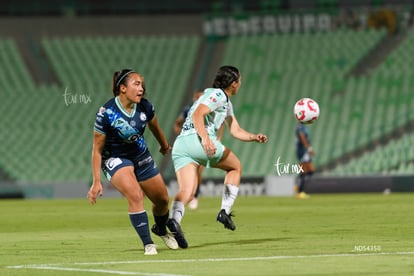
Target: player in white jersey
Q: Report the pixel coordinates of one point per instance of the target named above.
(198, 145)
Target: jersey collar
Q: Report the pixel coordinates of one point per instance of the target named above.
(225, 94)
(126, 113)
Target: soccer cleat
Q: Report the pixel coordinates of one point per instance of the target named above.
(225, 219)
(175, 229)
(150, 249)
(302, 195)
(168, 239)
(193, 204)
(295, 189)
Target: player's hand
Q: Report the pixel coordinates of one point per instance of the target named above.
(260, 138)
(311, 151)
(94, 191)
(166, 150)
(209, 147)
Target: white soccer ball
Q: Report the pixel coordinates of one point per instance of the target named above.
(306, 111)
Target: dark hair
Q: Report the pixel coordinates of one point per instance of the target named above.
(225, 76)
(120, 77)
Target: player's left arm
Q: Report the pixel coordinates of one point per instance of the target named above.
(156, 130)
(239, 133)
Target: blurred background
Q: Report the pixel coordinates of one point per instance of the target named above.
(354, 57)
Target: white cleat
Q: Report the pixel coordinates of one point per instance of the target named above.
(193, 204)
(150, 249)
(169, 241)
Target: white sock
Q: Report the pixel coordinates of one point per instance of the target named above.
(229, 196)
(177, 211)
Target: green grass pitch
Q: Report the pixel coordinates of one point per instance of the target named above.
(343, 234)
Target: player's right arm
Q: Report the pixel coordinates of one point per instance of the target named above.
(97, 148)
(198, 120)
(305, 143)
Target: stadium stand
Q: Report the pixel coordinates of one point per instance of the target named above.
(277, 71)
(51, 135)
(396, 157)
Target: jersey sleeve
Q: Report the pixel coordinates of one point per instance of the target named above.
(101, 121)
(149, 109)
(300, 129)
(214, 100)
(230, 111)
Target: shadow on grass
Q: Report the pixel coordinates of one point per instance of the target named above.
(240, 242)
(235, 242)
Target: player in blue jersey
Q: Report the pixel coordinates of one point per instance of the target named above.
(304, 153)
(198, 145)
(119, 149)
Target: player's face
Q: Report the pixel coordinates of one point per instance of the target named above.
(236, 85)
(134, 91)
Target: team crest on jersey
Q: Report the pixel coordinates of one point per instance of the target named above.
(143, 116)
(101, 111)
(213, 99)
(133, 123)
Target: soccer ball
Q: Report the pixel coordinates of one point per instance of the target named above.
(306, 111)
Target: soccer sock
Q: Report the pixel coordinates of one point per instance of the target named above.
(140, 223)
(161, 222)
(306, 179)
(230, 192)
(177, 211)
(302, 181)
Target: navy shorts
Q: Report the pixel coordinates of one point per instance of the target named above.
(144, 167)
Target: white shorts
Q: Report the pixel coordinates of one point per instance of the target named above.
(188, 149)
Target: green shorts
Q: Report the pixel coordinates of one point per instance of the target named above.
(188, 149)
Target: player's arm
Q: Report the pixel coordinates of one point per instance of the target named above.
(97, 147)
(305, 143)
(156, 130)
(239, 133)
(198, 120)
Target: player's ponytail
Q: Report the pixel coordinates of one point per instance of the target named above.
(120, 77)
(225, 76)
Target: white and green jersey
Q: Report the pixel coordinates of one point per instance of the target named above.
(221, 108)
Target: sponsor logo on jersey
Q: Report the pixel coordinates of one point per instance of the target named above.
(145, 161)
(101, 111)
(112, 162)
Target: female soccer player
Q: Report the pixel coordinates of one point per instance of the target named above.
(304, 154)
(178, 124)
(198, 145)
(120, 150)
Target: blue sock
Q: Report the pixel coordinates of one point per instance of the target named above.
(140, 223)
(161, 222)
(302, 180)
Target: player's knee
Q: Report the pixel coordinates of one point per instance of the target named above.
(238, 166)
(163, 201)
(184, 196)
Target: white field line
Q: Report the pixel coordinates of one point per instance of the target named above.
(262, 258)
(44, 267)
